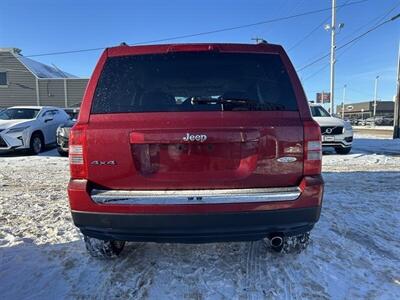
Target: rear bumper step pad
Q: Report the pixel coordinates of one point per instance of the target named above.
(220, 196)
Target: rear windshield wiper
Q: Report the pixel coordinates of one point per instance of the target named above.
(242, 102)
(196, 100)
(239, 101)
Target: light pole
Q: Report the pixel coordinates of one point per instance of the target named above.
(396, 127)
(333, 46)
(332, 28)
(344, 97)
(375, 96)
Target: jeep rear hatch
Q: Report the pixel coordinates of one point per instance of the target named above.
(194, 120)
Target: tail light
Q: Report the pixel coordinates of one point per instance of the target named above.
(77, 149)
(312, 148)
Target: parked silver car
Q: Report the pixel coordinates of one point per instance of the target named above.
(29, 127)
(336, 132)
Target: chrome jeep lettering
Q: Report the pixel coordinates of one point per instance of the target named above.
(194, 137)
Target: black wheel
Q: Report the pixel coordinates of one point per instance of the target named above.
(36, 143)
(103, 249)
(340, 150)
(62, 152)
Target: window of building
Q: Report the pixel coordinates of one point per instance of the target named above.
(3, 78)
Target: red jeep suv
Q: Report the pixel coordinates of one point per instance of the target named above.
(194, 143)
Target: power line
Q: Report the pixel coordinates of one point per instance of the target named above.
(315, 73)
(379, 19)
(349, 42)
(313, 62)
(370, 30)
(319, 26)
(66, 52)
(289, 10)
(204, 32)
(309, 34)
(375, 21)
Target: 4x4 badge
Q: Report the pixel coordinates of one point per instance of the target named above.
(194, 137)
(103, 163)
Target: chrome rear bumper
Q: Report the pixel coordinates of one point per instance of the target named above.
(218, 196)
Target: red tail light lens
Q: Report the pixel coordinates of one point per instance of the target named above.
(312, 148)
(77, 145)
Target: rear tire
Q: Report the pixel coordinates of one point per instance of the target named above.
(103, 249)
(62, 152)
(340, 150)
(36, 144)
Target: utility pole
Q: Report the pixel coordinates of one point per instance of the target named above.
(396, 129)
(344, 97)
(332, 28)
(333, 48)
(375, 96)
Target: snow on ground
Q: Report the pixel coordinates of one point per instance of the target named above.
(385, 128)
(354, 251)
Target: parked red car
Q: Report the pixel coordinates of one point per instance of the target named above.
(194, 143)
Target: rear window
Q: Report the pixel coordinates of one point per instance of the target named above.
(196, 81)
(19, 113)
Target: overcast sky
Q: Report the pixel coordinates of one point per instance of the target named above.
(57, 25)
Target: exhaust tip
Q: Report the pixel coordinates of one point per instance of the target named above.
(276, 241)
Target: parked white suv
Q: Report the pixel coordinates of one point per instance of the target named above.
(336, 132)
(29, 127)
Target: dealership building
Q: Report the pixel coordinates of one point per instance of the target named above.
(24, 81)
(363, 110)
